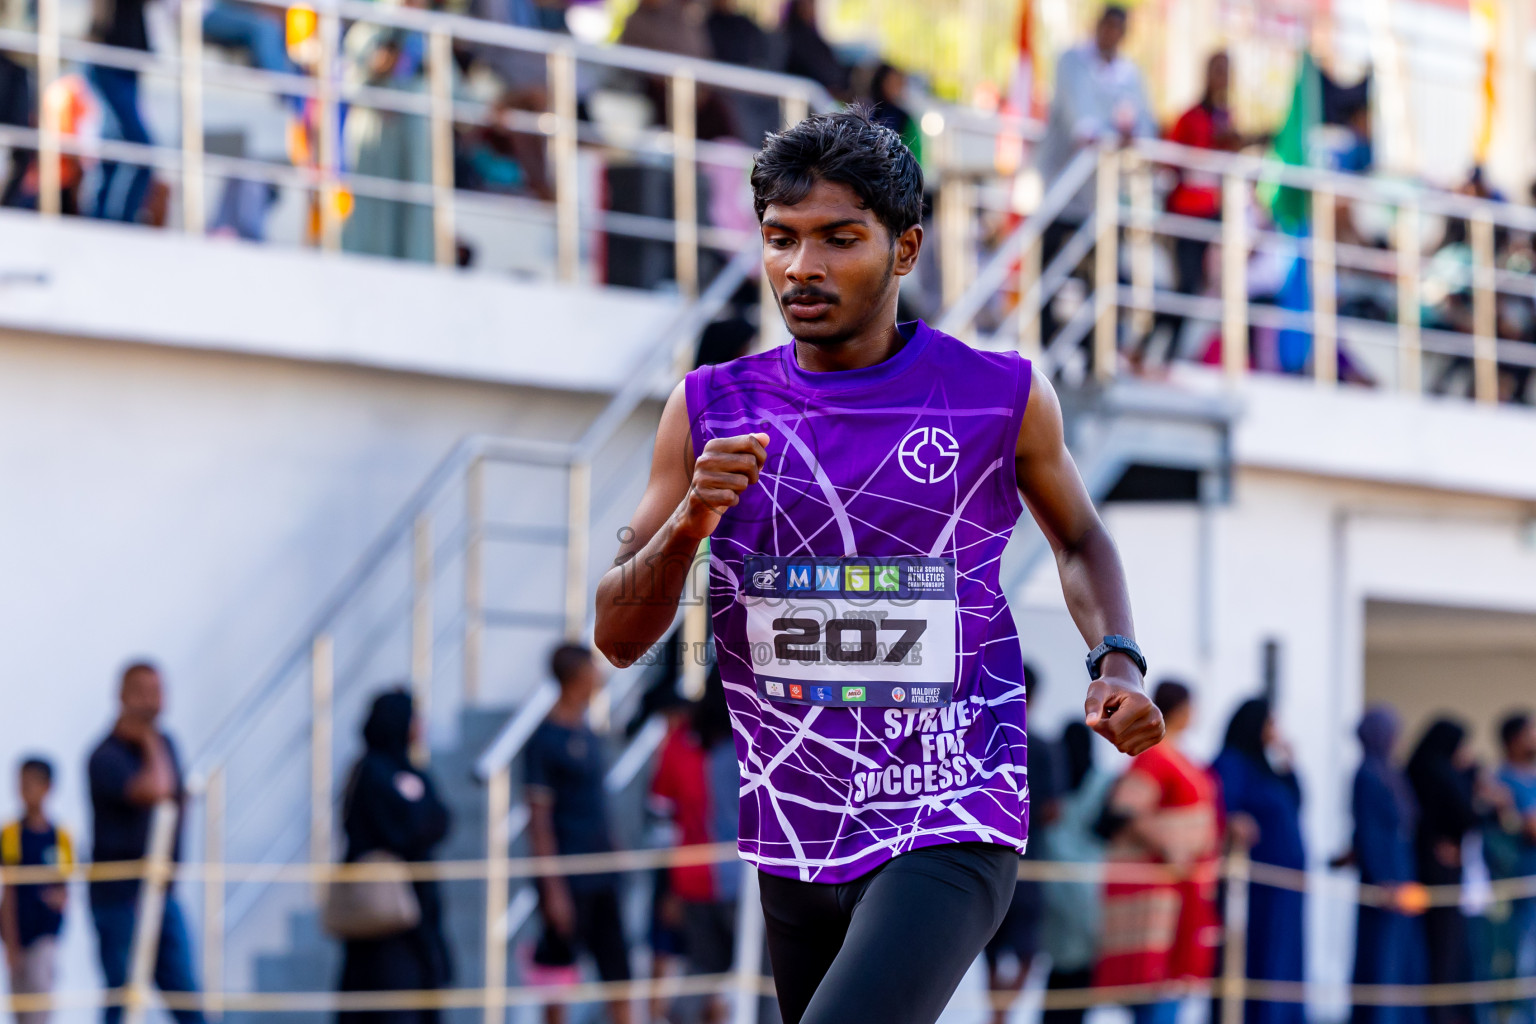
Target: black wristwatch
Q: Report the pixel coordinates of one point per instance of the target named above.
(1124, 644)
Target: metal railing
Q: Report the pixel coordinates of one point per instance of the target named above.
(443, 107)
(1001, 307)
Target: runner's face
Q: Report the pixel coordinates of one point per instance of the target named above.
(832, 264)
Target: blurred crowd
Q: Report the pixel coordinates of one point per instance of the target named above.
(1099, 97)
(502, 155)
(1437, 823)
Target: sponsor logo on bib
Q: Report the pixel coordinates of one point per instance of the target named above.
(775, 689)
(853, 693)
(898, 694)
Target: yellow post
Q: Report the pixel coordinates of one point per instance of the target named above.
(578, 522)
(562, 95)
(1409, 361)
(329, 129)
(498, 800)
(1030, 298)
(1234, 968)
(322, 678)
(1325, 321)
(1106, 266)
(421, 629)
(49, 201)
(1234, 276)
(440, 85)
(192, 182)
(213, 893)
(685, 184)
(151, 910)
(474, 615)
(1485, 299)
(794, 110)
(1143, 256)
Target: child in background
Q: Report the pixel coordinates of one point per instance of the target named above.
(32, 914)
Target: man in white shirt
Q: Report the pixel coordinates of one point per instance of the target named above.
(1099, 95)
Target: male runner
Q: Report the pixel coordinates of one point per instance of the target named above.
(856, 488)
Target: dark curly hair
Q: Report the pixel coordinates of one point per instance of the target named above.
(849, 149)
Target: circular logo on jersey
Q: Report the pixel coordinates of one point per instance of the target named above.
(898, 694)
(928, 454)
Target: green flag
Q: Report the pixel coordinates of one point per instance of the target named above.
(1291, 207)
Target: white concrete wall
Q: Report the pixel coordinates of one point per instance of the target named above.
(196, 507)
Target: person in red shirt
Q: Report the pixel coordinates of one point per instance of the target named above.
(696, 786)
(1206, 125)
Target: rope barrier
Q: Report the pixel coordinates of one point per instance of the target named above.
(1497, 991)
(1256, 990)
(1296, 880)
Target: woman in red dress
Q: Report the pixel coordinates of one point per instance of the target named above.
(1163, 812)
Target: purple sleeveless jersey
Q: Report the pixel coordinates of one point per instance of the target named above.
(870, 661)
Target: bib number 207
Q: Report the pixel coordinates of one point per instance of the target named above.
(845, 641)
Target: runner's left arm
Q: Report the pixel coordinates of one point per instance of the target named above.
(1117, 706)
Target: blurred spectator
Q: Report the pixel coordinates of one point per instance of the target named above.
(1099, 96)
(387, 143)
(671, 26)
(1442, 773)
(564, 774)
(79, 120)
(1517, 735)
(1206, 125)
(696, 784)
(1161, 811)
(1073, 911)
(731, 336)
(121, 23)
(1019, 932)
(258, 31)
(807, 52)
(737, 38)
(32, 915)
(1263, 798)
(131, 771)
(1389, 943)
(887, 88)
(392, 806)
(17, 109)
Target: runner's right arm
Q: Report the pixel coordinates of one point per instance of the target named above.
(683, 501)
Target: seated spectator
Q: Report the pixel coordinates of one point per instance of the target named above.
(737, 38)
(807, 52)
(564, 773)
(392, 806)
(670, 26)
(32, 915)
(258, 31)
(887, 88)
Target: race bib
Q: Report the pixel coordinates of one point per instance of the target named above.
(852, 632)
